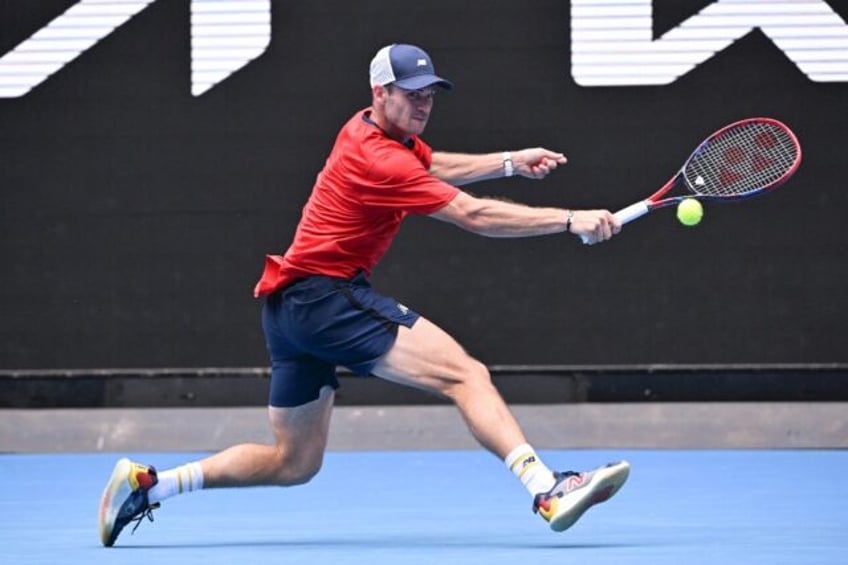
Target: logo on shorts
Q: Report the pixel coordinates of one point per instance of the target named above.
(403, 309)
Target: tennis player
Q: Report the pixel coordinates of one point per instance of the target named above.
(321, 312)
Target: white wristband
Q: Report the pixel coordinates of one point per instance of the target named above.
(507, 164)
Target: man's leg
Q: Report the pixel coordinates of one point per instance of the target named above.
(301, 438)
(426, 356)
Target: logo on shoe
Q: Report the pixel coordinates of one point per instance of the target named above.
(574, 482)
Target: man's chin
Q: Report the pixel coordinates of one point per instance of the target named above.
(418, 126)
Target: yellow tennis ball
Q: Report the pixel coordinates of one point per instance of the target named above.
(690, 212)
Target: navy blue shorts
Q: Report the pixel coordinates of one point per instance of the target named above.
(318, 323)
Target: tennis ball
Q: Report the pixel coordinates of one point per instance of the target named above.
(690, 212)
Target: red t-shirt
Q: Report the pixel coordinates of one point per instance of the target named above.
(369, 183)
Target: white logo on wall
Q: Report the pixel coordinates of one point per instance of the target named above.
(612, 43)
(226, 35)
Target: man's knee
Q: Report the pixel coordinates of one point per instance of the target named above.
(302, 474)
(301, 438)
(473, 378)
(295, 468)
(479, 374)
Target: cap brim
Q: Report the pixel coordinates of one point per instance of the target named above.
(423, 81)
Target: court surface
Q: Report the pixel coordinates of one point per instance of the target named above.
(456, 506)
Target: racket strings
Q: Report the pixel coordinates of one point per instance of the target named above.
(741, 160)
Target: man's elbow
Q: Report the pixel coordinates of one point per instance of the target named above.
(467, 213)
(474, 222)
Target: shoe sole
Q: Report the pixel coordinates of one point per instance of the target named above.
(117, 483)
(605, 483)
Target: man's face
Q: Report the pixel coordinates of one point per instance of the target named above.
(408, 110)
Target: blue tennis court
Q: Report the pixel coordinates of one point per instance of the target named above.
(457, 506)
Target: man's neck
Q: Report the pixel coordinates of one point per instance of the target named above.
(385, 126)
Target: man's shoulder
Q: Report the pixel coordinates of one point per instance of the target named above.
(363, 146)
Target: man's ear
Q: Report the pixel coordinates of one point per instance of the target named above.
(379, 93)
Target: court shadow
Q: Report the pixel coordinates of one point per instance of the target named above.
(393, 542)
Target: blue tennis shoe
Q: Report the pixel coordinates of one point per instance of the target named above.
(125, 500)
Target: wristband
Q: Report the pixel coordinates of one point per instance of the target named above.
(568, 221)
(507, 164)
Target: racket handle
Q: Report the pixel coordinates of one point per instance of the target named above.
(628, 214)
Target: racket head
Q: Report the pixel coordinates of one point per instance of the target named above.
(740, 160)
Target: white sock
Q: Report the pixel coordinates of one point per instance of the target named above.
(185, 478)
(528, 467)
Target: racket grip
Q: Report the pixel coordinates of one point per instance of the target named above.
(628, 214)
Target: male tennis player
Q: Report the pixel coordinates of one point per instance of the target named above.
(321, 312)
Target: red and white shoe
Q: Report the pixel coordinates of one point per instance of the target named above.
(574, 493)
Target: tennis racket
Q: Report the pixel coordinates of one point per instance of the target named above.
(743, 159)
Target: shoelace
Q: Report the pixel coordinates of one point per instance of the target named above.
(148, 513)
(565, 474)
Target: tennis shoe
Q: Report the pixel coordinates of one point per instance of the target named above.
(574, 493)
(125, 500)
